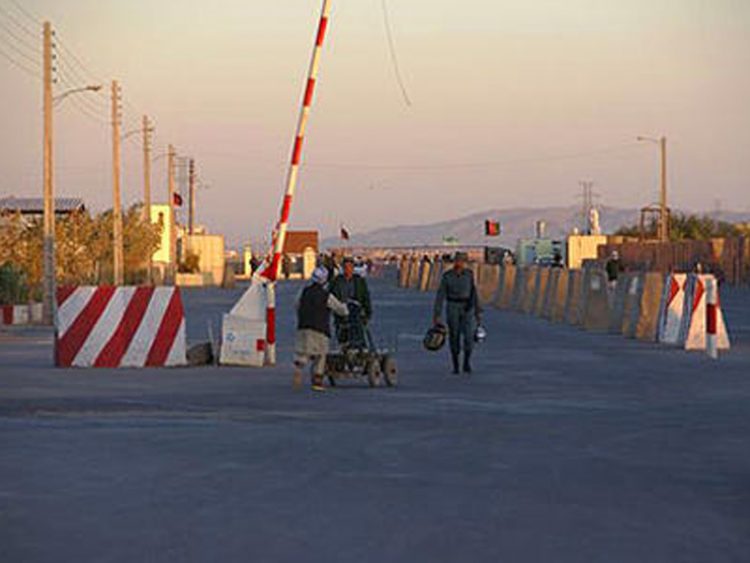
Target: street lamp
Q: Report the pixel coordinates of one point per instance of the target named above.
(663, 211)
(60, 97)
(50, 303)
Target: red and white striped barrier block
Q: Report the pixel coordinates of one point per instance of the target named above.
(120, 327)
(694, 326)
(15, 314)
(673, 309)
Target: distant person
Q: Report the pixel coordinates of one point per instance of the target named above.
(350, 286)
(557, 260)
(613, 268)
(458, 293)
(311, 345)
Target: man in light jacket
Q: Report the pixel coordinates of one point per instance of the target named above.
(311, 345)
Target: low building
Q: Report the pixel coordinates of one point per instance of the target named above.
(300, 254)
(32, 208)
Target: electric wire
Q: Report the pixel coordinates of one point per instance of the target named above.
(20, 66)
(392, 50)
(31, 59)
(34, 48)
(23, 27)
(27, 13)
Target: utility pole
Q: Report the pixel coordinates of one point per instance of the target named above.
(663, 211)
(191, 209)
(147, 129)
(588, 201)
(172, 267)
(118, 277)
(50, 301)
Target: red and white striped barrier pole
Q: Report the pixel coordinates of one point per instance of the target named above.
(712, 305)
(271, 271)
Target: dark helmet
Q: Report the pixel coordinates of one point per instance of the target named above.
(435, 337)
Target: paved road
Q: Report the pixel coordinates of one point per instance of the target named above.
(564, 446)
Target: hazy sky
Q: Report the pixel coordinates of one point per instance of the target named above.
(513, 102)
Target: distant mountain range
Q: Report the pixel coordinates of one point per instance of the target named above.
(515, 223)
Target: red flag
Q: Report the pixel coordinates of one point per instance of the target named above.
(177, 199)
(491, 228)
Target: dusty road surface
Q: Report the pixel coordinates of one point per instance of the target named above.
(563, 446)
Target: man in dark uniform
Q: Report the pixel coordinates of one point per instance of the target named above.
(459, 293)
(350, 286)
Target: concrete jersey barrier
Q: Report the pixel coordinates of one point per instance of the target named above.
(540, 290)
(505, 291)
(529, 292)
(489, 280)
(573, 302)
(436, 274)
(120, 327)
(617, 304)
(414, 267)
(596, 304)
(648, 318)
(561, 296)
(424, 275)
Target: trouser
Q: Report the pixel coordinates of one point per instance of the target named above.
(460, 328)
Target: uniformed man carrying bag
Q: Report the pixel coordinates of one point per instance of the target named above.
(458, 293)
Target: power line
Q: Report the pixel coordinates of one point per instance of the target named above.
(392, 49)
(20, 25)
(19, 65)
(488, 164)
(22, 40)
(31, 59)
(27, 13)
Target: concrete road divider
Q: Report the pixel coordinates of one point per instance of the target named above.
(403, 273)
(542, 282)
(120, 327)
(672, 308)
(574, 300)
(424, 275)
(632, 306)
(15, 315)
(561, 296)
(414, 267)
(549, 295)
(695, 326)
(648, 318)
(529, 292)
(243, 341)
(489, 280)
(596, 303)
(436, 274)
(617, 303)
(506, 287)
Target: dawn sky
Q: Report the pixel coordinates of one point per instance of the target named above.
(513, 102)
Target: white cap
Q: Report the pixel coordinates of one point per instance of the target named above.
(320, 275)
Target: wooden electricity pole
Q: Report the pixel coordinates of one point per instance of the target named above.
(50, 303)
(191, 209)
(147, 129)
(172, 266)
(663, 209)
(117, 205)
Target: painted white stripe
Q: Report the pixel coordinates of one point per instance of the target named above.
(144, 337)
(177, 353)
(72, 307)
(104, 327)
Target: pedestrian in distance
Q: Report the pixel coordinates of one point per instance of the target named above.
(458, 294)
(312, 342)
(613, 268)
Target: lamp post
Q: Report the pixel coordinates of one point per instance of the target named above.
(663, 212)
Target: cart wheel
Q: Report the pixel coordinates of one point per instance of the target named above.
(390, 371)
(373, 373)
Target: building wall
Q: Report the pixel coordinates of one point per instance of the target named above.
(210, 250)
(583, 247)
(161, 213)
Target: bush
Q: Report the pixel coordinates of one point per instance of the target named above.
(13, 288)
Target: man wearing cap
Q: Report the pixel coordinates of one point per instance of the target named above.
(349, 286)
(459, 294)
(314, 308)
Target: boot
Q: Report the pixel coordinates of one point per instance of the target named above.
(454, 357)
(467, 362)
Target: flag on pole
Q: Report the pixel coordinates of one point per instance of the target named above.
(491, 228)
(177, 199)
(344, 233)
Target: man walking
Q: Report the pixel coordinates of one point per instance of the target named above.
(459, 293)
(314, 328)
